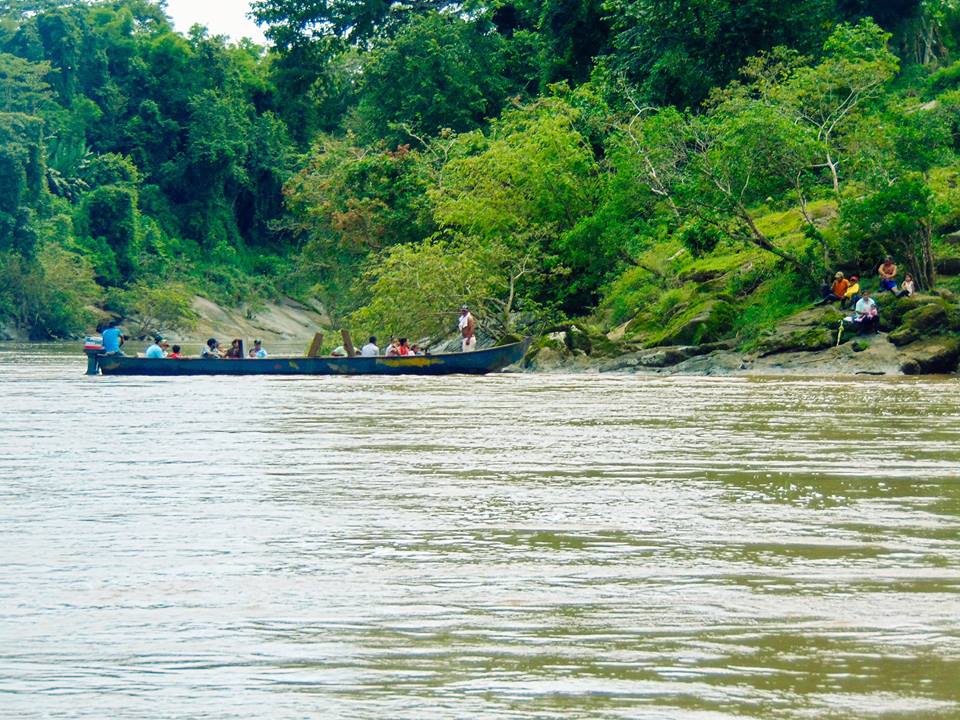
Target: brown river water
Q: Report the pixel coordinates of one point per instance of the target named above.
(514, 546)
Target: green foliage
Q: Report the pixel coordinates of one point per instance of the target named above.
(53, 296)
(678, 51)
(549, 157)
(110, 217)
(894, 220)
(438, 72)
(417, 290)
(157, 307)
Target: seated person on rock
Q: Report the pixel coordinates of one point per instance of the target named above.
(852, 295)
(835, 292)
(866, 316)
(888, 275)
(908, 287)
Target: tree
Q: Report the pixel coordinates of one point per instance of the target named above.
(438, 72)
(678, 50)
(896, 220)
(417, 289)
(828, 97)
(525, 185)
(291, 23)
(712, 169)
(346, 203)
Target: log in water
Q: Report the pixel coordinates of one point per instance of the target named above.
(504, 547)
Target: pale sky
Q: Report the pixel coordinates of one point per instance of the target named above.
(222, 17)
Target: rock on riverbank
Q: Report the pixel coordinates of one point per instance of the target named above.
(919, 335)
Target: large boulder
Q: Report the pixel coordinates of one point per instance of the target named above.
(932, 356)
(806, 331)
(702, 323)
(930, 319)
(808, 340)
(893, 309)
(547, 353)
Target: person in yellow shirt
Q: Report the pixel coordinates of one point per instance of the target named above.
(852, 293)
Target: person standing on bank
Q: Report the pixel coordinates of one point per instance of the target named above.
(467, 327)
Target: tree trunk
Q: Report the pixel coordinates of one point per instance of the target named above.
(762, 241)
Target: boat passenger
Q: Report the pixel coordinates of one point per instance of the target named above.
(339, 351)
(257, 350)
(852, 295)
(403, 350)
(236, 350)
(212, 350)
(176, 354)
(888, 275)
(155, 351)
(112, 339)
(416, 350)
(908, 287)
(370, 349)
(393, 350)
(467, 326)
(835, 292)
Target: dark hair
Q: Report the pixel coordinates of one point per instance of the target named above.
(373, 339)
(113, 323)
(403, 341)
(176, 348)
(211, 342)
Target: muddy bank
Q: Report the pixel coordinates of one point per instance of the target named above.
(284, 322)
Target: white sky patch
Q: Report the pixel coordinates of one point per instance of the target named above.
(222, 17)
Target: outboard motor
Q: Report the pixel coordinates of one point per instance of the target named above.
(93, 347)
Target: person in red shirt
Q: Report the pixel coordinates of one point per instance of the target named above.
(403, 350)
(175, 355)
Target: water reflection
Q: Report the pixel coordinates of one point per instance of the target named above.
(512, 546)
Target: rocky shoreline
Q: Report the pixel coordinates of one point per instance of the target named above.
(919, 336)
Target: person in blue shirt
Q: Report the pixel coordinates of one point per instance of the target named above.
(257, 350)
(155, 351)
(112, 339)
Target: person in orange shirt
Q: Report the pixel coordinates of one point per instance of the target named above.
(835, 292)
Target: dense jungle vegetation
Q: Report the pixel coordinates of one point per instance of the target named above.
(540, 159)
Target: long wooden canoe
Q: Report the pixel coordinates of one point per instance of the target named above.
(479, 362)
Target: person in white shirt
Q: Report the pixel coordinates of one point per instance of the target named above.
(257, 350)
(211, 350)
(467, 326)
(867, 317)
(370, 349)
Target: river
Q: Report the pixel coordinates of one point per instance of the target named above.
(515, 546)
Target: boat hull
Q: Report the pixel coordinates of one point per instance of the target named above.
(480, 362)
